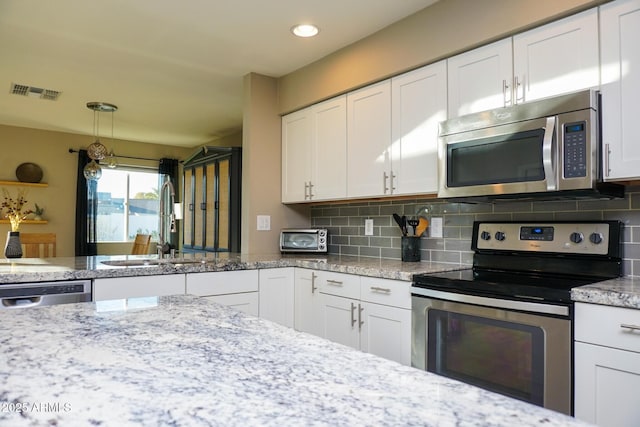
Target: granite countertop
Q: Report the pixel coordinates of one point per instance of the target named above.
(23, 270)
(621, 292)
(186, 361)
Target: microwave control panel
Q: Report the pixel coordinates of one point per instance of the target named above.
(575, 149)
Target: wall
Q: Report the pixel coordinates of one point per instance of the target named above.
(441, 30)
(50, 150)
(346, 224)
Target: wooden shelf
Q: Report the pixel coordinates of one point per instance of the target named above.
(26, 221)
(24, 184)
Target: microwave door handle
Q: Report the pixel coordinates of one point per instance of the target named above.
(548, 154)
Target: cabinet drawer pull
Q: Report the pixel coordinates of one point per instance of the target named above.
(353, 317)
(313, 282)
(381, 290)
(631, 328)
(334, 282)
(360, 321)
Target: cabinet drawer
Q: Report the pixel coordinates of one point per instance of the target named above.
(608, 326)
(136, 287)
(395, 293)
(340, 284)
(222, 282)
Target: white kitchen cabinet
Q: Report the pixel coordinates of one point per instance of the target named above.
(370, 314)
(620, 68)
(418, 104)
(314, 156)
(138, 286)
(607, 365)
(368, 141)
(277, 295)
(307, 306)
(480, 79)
(233, 288)
(553, 59)
(556, 58)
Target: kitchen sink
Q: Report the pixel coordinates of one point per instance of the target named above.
(152, 261)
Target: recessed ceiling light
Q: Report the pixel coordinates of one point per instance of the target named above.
(305, 30)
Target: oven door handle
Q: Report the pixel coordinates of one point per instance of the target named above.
(548, 154)
(533, 307)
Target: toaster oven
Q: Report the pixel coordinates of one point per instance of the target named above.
(304, 240)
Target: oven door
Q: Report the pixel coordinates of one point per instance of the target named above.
(506, 159)
(526, 356)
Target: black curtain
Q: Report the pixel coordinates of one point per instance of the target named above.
(170, 168)
(86, 210)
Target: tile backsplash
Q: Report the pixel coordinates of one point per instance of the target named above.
(345, 223)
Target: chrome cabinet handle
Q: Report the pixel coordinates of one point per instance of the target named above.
(360, 321)
(631, 328)
(353, 317)
(379, 289)
(506, 89)
(310, 190)
(334, 282)
(548, 153)
(313, 282)
(306, 190)
(384, 183)
(391, 178)
(607, 153)
(516, 87)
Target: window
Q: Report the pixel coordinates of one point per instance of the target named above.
(128, 203)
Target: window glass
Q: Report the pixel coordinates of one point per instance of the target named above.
(128, 203)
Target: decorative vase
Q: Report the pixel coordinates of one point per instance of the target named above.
(13, 248)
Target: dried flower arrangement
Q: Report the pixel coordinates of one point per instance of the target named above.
(13, 209)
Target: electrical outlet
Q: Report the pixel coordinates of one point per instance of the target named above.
(435, 227)
(264, 222)
(368, 227)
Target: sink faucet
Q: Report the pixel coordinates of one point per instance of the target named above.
(163, 244)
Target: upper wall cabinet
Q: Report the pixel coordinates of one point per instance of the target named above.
(368, 141)
(418, 104)
(314, 157)
(480, 79)
(620, 62)
(556, 58)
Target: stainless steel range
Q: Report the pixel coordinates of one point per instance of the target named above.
(506, 324)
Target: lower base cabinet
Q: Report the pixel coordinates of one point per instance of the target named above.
(277, 295)
(237, 289)
(307, 302)
(607, 365)
(138, 286)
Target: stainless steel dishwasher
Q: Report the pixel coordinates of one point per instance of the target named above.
(28, 295)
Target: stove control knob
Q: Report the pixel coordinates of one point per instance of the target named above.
(576, 237)
(485, 235)
(500, 236)
(595, 238)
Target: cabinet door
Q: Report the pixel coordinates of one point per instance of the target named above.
(307, 302)
(418, 104)
(386, 332)
(276, 295)
(607, 381)
(480, 79)
(329, 157)
(296, 155)
(340, 320)
(139, 286)
(620, 56)
(368, 140)
(246, 302)
(557, 58)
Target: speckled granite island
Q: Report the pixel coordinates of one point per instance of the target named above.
(185, 361)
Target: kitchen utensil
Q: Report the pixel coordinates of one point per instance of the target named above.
(413, 223)
(423, 223)
(398, 219)
(404, 225)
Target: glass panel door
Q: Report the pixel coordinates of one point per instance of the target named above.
(224, 198)
(187, 221)
(210, 214)
(199, 212)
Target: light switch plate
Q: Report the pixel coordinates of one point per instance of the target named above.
(368, 227)
(435, 227)
(264, 222)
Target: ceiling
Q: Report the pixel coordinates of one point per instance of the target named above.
(173, 68)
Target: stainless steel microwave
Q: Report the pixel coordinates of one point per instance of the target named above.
(549, 148)
(304, 240)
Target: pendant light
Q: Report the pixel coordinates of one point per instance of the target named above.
(97, 151)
